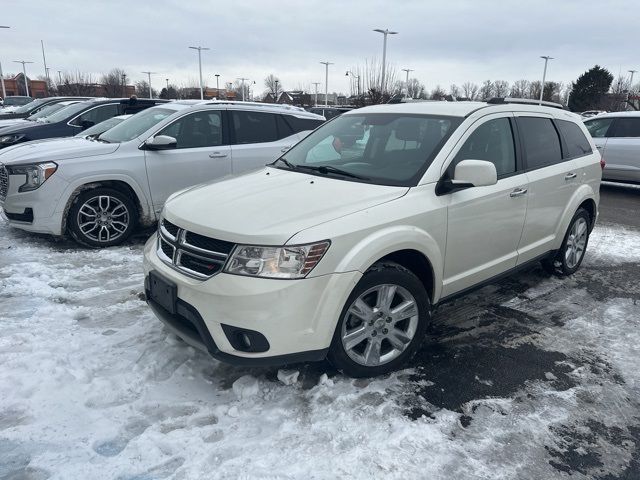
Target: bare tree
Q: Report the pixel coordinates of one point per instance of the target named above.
(372, 77)
(274, 86)
(438, 93)
(77, 84)
(113, 83)
(501, 88)
(520, 89)
(415, 89)
(142, 89)
(486, 90)
(470, 90)
(454, 91)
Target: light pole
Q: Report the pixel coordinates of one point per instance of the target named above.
(124, 84)
(44, 61)
(4, 93)
(385, 32)
(275, 98)
(60, 77)
(357, 77)
(24, 72)
(630, 87)
(217, 75)
(544, 76)
(149, 76)
(242, 79)
(199, 49)
(326, 82)
(316, 84)
(407, 82)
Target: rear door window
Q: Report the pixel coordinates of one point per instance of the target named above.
(599, 127)
(96, 115)
(254, 127)
(626, 127)
(577, 144)
(540, 140)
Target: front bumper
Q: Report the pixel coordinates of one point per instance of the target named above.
(296, 317)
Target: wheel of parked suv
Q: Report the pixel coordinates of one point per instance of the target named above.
(102, 217)
(382, 323)
(568, 259)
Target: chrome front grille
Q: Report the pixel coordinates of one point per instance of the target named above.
(4, 182)
(190, 253)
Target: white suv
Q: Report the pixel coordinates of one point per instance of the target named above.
(99, 189)
(343, 246)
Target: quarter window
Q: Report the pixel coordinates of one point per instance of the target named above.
(626, 127)
(492, 141)
(197, 130)
(598, 127)
(254, 127)
(541, 142)
(577, 143)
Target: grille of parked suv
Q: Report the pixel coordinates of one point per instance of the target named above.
(190, 253)
(4, 182)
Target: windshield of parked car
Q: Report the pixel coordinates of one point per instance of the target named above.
(101, 127)
(46, 111)
(11, 101)
(66, 112)
(381, 148)
(26, 108)
(136, 125)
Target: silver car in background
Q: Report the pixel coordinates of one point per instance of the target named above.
(617, 136)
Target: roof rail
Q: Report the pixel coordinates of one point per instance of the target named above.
(257, 104)
(524, 101)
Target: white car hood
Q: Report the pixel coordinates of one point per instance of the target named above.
(54, 150)
(269, 206)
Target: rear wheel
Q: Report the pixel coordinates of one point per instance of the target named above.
(382, 323)
(102, 217)
(568, 259)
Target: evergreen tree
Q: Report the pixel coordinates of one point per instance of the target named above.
(589, 90)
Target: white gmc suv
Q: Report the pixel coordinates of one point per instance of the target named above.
(343, 246)
(99, 189)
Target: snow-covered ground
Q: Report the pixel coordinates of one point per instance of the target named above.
(531, 378)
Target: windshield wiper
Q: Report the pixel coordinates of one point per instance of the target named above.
(286, 162)
(326, 169)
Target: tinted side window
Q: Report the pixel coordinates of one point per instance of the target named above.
(197, 130)
(577, 143)
(541, 141)
(598, 127)
(254, 127)
(626, 127)
(96, 115)
(302, 124)
(492, 141)
(284, 130)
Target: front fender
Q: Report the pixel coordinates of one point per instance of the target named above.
(381, 243)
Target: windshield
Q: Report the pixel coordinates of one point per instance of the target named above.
(67, 112)
(46, 111)
(136, 125)
(382, 148)
(12, 101)
(29, 106)
(101, 127)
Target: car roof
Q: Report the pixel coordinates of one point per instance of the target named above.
(461, 109)
(252, 106)
(631, 113)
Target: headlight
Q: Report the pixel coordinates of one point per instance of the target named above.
(36, 174)
(8, 139)
(286, 262)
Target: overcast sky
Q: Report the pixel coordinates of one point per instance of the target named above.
(446, 41)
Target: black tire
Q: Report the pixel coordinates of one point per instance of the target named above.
(126, 211)
(558, 264)
(384, 273)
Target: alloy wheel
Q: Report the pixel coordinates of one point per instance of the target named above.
(103, 218)
(576, 243)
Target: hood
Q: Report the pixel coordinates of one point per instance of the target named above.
(269, 206)
(25, 127)
(11, 122)
(55, 149)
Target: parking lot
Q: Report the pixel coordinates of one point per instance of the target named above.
(531, 377)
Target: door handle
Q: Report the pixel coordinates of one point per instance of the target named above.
(570, 176)
(518, 192)
(283, 150)
(217, 155)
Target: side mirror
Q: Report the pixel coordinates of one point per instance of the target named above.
(160, 142)
(478, 173)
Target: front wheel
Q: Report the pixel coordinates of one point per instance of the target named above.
(382, 323)
(568, 259)
(102, 217)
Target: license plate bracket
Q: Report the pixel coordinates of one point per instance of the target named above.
(163, 292)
